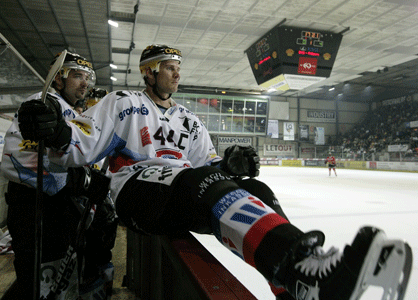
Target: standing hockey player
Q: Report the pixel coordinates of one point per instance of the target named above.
(62, 187)
(330, 160)
(168, 179)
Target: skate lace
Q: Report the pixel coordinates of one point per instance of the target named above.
(320, 263)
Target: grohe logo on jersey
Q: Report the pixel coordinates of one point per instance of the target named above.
(68, 113)
(133, 110)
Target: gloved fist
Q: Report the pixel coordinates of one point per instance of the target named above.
(43, 121)
(89, 182)
(241, 161)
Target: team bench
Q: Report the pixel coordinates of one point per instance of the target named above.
(163, 267)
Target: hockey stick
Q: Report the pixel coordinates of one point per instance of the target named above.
(68, 263)
(39, 182)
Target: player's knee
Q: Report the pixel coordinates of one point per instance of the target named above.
(205, 187)
(207, 184)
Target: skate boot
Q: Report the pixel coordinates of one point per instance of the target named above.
(370, 260)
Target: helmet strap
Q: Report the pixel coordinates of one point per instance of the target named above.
(154, 88)
(62, 93)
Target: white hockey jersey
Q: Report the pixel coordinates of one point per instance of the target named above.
(20, 157)
(128, 127)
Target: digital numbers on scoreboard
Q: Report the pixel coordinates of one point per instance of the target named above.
(312, 51)
(264, 57)
(292, 50)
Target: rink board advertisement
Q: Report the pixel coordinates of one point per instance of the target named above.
(291, 163)
(315, 163)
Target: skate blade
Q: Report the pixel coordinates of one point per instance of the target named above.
(388, 265)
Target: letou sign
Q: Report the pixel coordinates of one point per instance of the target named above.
(278, 150)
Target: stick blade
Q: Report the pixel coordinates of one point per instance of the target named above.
(52, 73)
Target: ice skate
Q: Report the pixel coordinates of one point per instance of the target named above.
(370, 260)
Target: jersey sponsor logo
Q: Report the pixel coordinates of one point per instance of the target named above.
(170, 154)
(226, 201)
(145, 136)
(163, 175)
(172, 51)
(85, 128)
(209, 180)
(133, 110)
(28, 145)
(68, 113)
(82, 62)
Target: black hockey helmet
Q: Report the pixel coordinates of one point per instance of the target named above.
(94, 96)
(153, 55)
(74, 61)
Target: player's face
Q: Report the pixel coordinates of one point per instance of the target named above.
(76, 85)
(169, 76)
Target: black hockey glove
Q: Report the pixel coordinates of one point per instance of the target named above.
(241, 161)
(89, 182)
(44, 121)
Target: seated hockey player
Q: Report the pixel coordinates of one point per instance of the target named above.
(167, 178)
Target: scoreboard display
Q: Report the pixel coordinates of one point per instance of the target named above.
(295, 51)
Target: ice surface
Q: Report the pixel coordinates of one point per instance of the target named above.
(338, 206)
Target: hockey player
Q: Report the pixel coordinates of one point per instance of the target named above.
(331, 163)
(167, 178)
(61, 201)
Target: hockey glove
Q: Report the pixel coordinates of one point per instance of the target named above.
(89, 182)
(44, 121)
(241, 161)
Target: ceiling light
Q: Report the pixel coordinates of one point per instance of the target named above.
(113, 66)
(331, 89)
(113, 23)
(113, 78)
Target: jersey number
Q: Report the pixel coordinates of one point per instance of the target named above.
(160, 136)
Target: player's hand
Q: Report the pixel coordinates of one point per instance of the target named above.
(90, 182)
(241, 161)
(44, 121)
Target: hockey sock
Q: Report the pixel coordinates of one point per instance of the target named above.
(252, 230)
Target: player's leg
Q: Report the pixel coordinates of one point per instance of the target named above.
(262, 191)
(206, 199)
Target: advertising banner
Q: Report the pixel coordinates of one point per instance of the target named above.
(323, 116)
(288, 131)
(303, 132)
(278, 150)
(273, 129)
(397, 148)
(319, 136)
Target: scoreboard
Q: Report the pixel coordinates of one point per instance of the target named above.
(284, 50)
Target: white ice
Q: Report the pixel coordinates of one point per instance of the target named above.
(338, 206)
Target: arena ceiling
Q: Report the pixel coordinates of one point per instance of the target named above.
(377, 58)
